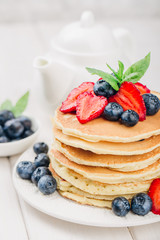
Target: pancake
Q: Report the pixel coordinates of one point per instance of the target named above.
(103, 147)
(121, 163)
(102, 130)
(106, 175)
(97, 188)
(70, 188)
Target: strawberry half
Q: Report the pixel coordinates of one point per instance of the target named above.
(69, 105)
(129, 97)
(89, 107)
(142, 88)
(154, 193)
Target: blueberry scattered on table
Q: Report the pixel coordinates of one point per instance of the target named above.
(129, 118)
(120, 206)
(152, 103)
(47, 184)
(113, 111)
(1, 131)
(41, 159)
(5, 115)
(40, 147)
(103, 88)
(25, 169)
(38, 173)
(141, 204)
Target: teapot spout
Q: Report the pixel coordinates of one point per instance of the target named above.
(42, 63)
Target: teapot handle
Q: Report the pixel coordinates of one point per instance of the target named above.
(125, 42)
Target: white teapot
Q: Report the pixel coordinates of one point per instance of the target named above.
(78, 45)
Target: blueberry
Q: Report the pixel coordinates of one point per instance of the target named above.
(152, 103)
(47, 184)
(129, 118)
(38, 173)
(1, 131)
(27, 133)
(41, 159)
(40, 147)
(120, 206)
(4, 139)
(5, 115)
(13, 129)
(141, 204)
(103, 88)
(113, 111)
(26, 122)
(25, 169)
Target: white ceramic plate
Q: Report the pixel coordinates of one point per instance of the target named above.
(59, 207)
(12, 148)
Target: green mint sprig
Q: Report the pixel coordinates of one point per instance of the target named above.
(132, 74)
(19, 107)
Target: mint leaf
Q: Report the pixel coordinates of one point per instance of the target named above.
(121, 69)
(6, 105)
(139, 68)
(117, 76)
(21, 105)
(106, 76)
(132, 77)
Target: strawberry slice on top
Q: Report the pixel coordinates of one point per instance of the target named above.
(154, 193)
(129, 97)
(142, 88)
(89, 107)
(69, 105)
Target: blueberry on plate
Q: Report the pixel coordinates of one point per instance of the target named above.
(4, 139)
(152, 103)
(26, 122)
(141, 204)
(27, 133)
(40, 147)
(41, 159)
(5, 115)
(25, 169)
(129, 118)
(120, 206)
(13, 129)
(103, 88)
(38, 173)
(47, 184)
(113, 111)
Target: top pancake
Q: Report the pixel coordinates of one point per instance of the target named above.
(102, 130)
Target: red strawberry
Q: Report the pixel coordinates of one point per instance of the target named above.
(154, 193)
(142, 88)
(69, 105)
(129, 97)
(89, 107)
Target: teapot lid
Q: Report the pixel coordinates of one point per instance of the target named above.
(85, 37)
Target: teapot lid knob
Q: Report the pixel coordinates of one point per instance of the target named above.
(87, 19)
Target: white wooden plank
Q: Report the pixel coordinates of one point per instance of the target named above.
(11, 220)
(147, 232)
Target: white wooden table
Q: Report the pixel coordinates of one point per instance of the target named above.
(19, 44)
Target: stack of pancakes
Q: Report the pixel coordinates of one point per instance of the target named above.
(95, 162)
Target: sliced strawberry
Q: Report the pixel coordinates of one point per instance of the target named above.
(154, 193)
(142, 88)
(89, 107)
(129, 97)
(69, 105)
